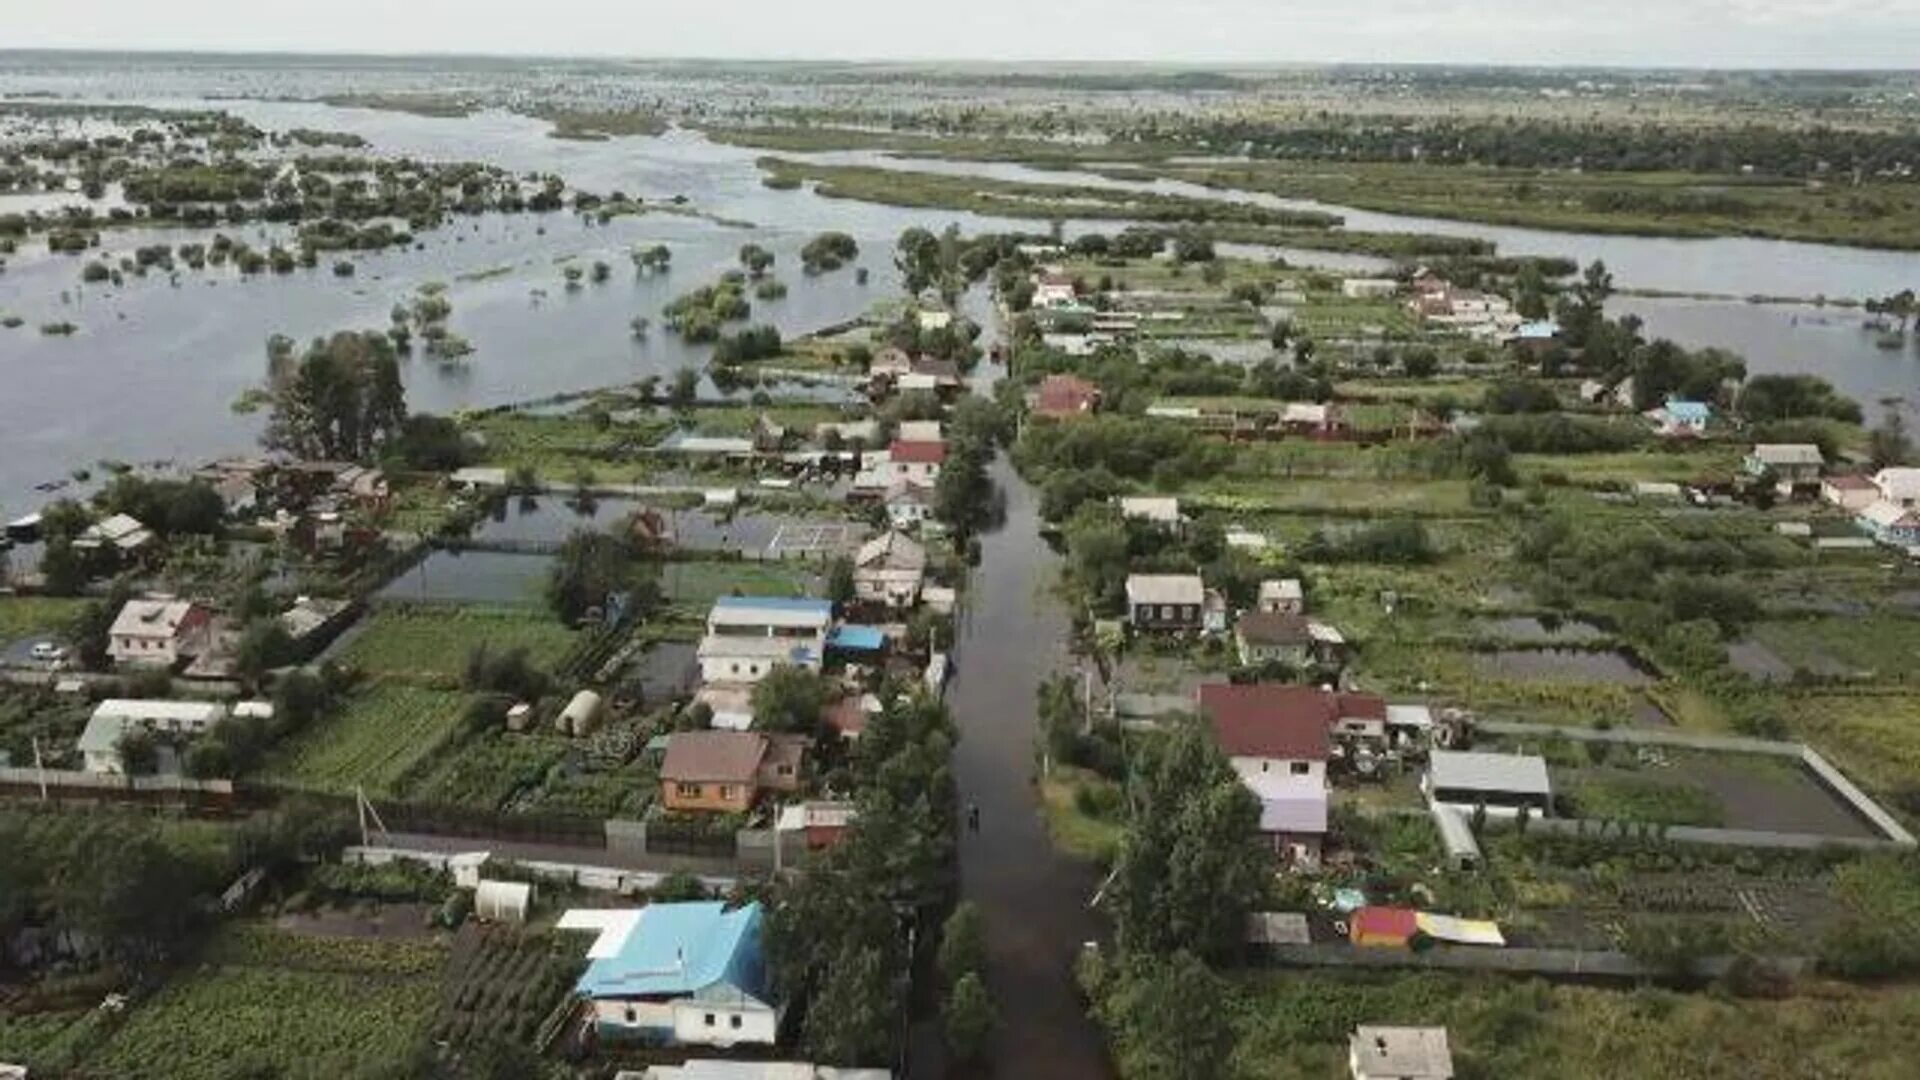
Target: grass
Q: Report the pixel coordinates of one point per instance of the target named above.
(1873, 738)
(1293, 1026)
(700, 583)
(36, 616)
(431, 643)
(383, 732)
(1883, 645)
(279, 1006)
(1074, 830)
(1616, 796)
(557, 448)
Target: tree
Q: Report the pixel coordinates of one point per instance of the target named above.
(790, 699)
(1190, 864)
(63, 567)
(840, 584)
(264, 645)
(591, 567)
(856, 1011)
(139, 753)
(756, 259)
(1421, 362)
(1169, 1019)
(1888, 443)
(338, 401)
(685, 389)
(969, 1018)
(963, 944)
(129, 893)
(1530, 291)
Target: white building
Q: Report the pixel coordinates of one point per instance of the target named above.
(1283, 597)
(158, 633)
(705, 1069)
(1400, 1053)
(1368, 288)
(889, 570)
(1900, 486)
(1503, 783)
(688, 974)
(115, 718)
(748, 636)
(1158, 510)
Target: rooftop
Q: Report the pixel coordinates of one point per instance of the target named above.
(1166, 589)
(676, 950)
(1274, 628)
(1467, 771)
(917, 453)
(1788, 454)
(152, 618)
(1268, 720)
(722, 756)
(1403, 1053)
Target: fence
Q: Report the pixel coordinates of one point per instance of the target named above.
(1892, 833)
(68, 785)
(1558, 963)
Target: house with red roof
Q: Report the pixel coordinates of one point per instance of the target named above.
(1065, 397)
(1278, 739)
(916, 462)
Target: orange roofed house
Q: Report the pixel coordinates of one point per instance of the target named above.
(726, 771)
(1064, 397)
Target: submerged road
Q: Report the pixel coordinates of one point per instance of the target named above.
(1033, 898)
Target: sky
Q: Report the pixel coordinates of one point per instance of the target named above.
(1696, 33)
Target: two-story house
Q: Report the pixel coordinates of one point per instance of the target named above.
(749, 636)
(1278, 739)
(158, 633)
(916, 462)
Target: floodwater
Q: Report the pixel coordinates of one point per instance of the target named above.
(158, 361)
(1530, 629)
(1563, 665)
(1034, 899)
(472, 577)
(550, 519)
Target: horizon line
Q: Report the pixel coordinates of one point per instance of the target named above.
(1214, 65)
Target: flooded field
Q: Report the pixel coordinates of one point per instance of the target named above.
(1531, 629)
(1563, 665)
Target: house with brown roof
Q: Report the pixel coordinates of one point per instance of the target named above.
(1065, 397)
(916, 462)
(726, 771)
(1273, 637)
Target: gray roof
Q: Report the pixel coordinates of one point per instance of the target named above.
(1165, 589)
(1520, 773)
(1403, 1053)
(1788, 454)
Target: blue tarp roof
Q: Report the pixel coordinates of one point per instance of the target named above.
(857, 638)
(1535, 331)
(803, 604)
(1688, 410)
(677, 950)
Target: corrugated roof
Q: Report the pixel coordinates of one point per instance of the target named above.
(917, 453)
(1467, 771)
(1274, 628)
(1166, 589)
(857, 638)
(1269, 720)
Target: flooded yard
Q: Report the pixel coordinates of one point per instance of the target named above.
(1564, 665)
(472, 577)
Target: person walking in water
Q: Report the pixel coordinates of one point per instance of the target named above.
(973, 817)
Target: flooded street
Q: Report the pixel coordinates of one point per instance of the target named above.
(1033, 898)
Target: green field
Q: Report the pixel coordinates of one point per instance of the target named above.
(1883, 645)
(382, 732)
(36, 616)
(431, 643)
(699, 584)
(279, 1005)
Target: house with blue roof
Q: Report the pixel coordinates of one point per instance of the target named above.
(688, 974)
(1679, 418)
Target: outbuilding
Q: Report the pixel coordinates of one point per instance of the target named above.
(502, 901)
(1503, 783)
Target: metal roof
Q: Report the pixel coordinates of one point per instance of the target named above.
(1466, 771)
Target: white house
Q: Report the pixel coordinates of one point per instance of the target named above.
(908, 506)
(686, 974)
(121, 533)
(1900, 486)
(1053, 290)
(1849, 492)
(748, 636)
(1282, 597)
(714, 1069)
(889, 570)
(158, 633)
(113, 719)
(916, 462)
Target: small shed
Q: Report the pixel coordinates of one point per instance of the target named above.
(1384, 927)
(502, 901)
(1463, 850)
(581, 714)
(519, 716)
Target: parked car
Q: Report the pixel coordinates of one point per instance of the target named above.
(48, 651)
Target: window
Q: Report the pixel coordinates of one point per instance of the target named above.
(1301, 768)
(726, 791)
(689, 791)
(709, 1019)
(785, 770)
(632, 1017)
(1166, 611)
(734, 1021)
